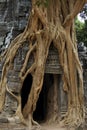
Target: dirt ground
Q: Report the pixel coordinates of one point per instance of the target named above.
(56, 127)
(7, 126)
(52, 127)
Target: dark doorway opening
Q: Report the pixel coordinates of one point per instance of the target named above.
(40, 114)
(26, 89)
(41, 107)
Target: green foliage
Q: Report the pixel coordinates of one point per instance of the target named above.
(42, 2)
(81, 31)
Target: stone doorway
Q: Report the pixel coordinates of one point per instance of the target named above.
(41, 112)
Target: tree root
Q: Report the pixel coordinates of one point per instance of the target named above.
(18, 111)
(42, 30)
(28, 122)
(74, 117)
(35, 122)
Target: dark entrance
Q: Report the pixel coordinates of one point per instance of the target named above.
(41, 111)
(41, 108)
(26, 89)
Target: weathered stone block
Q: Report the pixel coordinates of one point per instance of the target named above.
(14, 86)
(17, 67)
(3, 120)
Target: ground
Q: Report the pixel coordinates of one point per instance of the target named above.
(21, 127)
(8, 126)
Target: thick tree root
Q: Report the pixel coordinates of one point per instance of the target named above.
(43, 29)
(74, 117)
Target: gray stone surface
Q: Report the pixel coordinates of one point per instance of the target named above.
(12, 126)
(3, 120)
(13, 14)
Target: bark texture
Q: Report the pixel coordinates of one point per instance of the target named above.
(49, 23)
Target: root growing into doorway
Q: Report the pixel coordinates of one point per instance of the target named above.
(47, 25)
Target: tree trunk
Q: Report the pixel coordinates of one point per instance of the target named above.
(50, 22)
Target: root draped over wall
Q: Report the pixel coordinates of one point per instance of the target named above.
(48, 24)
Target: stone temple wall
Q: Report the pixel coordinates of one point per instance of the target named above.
(14, 15)
(83, 59)
(14, 82)
(13, 19)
